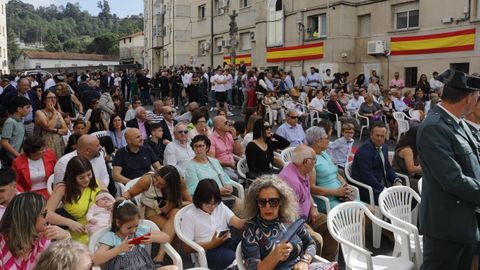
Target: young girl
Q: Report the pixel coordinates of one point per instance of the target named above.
(208, 225)
(117, 252)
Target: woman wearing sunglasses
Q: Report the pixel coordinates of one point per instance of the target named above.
(25, 232)
(259, 152)
(270, 207)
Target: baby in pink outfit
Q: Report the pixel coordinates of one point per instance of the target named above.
(99, 214)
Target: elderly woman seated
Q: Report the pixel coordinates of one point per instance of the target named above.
(271, 208)
(326, 180)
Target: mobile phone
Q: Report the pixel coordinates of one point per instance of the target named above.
(161, 202)
(222, 233)
(138, 240)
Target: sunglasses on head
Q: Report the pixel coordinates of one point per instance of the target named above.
(273, 202)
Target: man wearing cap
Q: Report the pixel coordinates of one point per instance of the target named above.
(451, 176)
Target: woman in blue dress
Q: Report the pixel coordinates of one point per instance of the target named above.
(326, 180)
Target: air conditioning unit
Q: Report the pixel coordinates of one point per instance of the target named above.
(376, 47)
(226, 43)
(205, 46)
(252, 36)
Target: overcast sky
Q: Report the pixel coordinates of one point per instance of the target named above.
(122, 8)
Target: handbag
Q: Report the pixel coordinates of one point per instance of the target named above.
(228, 200)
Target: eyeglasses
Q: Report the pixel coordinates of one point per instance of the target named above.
(170, 112)
(182, 131)
(307, 159)
(295, 117)
(44, 213)
(199, 145)
(273, 202)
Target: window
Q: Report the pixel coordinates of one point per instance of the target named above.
(464, 67)
(317, 26)
(364, 25)
(411, 76)
(275, 23)
(218, 45)
(219, 8)
(201, 12)
(245, 41)
(244, 3)
(202, 48)
(406, 16)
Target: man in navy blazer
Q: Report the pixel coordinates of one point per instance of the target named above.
(370, 166)
(450, 161)
(23, 89)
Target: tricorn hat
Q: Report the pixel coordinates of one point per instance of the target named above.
(459, 80)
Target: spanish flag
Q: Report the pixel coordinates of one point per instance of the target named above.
(463, 40)
(295, 53)
(246, 58)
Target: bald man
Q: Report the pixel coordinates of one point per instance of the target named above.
(297, 175)
(140, 121)
(187, 116)
(224, 145)
(89, 147)
(133, 160)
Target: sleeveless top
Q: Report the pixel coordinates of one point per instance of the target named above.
(149, 197)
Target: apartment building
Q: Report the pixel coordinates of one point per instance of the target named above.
(3, 38)
(409, 36)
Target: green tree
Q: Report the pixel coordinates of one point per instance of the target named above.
(104, 44)
(12, 46)
(72, 45)
(52, 44)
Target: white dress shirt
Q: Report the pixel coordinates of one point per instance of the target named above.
(98, 165)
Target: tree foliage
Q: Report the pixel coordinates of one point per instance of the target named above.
(68, 28)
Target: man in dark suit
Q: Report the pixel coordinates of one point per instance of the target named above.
(335, 108)
(168, 125)
(371, 165)
(107, 80)
(7, 88)
(451, 176)
(140, 121)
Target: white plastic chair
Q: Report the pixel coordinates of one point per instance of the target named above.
(241, 264)
(242, 169)
(286, 155)
(100, 134)
(402, 123)
(366, 126)
(337, 124)
(376, 230)
(131, 183)
(50, 184)
(314, 117)
(420, 185)
(346, 225)
(268, 113)
(199, 258)
(326, 201)
(176, 258)
(396, 204)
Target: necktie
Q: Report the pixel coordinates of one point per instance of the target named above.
(340, 109)
(380, 153)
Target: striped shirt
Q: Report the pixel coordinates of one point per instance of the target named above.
(153, 117)
(7, 261)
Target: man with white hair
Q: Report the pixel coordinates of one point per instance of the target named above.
(140, 122)
(179, 152)
(291, 130)
(297, 175)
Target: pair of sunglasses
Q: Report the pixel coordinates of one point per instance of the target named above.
(273, 202)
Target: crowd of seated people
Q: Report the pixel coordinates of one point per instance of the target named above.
(130, 163)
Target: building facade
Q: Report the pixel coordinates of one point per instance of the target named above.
(47, 60)
(411, 37)
(131, 49)
(3, 38)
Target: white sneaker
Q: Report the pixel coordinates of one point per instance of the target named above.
(230, 114)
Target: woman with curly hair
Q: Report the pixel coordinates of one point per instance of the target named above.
(270, 206)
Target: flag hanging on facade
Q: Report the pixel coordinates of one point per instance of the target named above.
(295, 53)
(246, 58)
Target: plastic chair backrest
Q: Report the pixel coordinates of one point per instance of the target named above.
(50, 184)
(242, 168)
(239, 257)
(100, 134)
(129, 185)
(398, 116)
(347, 223)
(420, 181)
(287, 155)
(200, 259)
(397, 202)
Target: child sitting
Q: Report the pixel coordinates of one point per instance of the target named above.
(117, 251)
(341, 147)
(99, 214)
